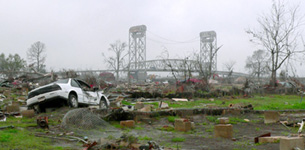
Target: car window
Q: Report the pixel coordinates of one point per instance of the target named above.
(83, 84)
(74, 83)
(63, 81)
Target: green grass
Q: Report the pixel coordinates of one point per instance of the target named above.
(145, 138)
(172, 118)
(178, 139)
(20, 138)
(235, 120)
(268, 102)
(212, 119)
(126, 103)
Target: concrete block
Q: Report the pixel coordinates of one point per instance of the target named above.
(271, 117)
(139, 105)
(127, 123)
(223, 131)
(146, 108)
(291, 143)
(223, 120)
(28, 113)
(163, 105)
(183, 125)
(270, 139)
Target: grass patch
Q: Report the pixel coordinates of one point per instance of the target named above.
(235, 120)
(268, 102)
(172, 118)
(138, 128)
(20, 139)
(210, 129)
(145, 138)
(178, 139)
(126, 103)
(212, 118)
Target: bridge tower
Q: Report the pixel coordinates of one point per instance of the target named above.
(137, 50)
(208, 46)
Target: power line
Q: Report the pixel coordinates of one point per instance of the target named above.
(174, 41)
(157, 41)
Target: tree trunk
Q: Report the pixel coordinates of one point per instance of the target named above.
(273, 78)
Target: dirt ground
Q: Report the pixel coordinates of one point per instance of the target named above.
(201, 138)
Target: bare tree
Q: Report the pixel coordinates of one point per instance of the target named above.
(205, 70)
(36, 56)
(257, 64)
(116, 62)
(278, 34)
(229, 66)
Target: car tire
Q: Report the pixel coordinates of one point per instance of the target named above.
(103, 104)
(73, 102)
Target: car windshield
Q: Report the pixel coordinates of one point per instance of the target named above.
(62, 81)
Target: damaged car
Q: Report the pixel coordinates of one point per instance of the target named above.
(73, 92)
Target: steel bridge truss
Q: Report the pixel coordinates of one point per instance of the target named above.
(208, 50)
(137, 47)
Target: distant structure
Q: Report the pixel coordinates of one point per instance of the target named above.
(208, 46)
(137, 51)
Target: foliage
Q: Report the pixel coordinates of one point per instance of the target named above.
(257, 64)
(11, 64)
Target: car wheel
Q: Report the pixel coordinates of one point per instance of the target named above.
(73, 102)
(103, 103)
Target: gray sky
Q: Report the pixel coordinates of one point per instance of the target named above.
(76, 32)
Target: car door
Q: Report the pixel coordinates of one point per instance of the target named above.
(87, 93)
(77, 88)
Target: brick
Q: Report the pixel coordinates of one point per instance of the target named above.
(223, 131)
(223, 120)
(139, 105)
(28, 113)
(183, 125)
(291, 143)
(271, 117)
(127, 123)
(271, 139)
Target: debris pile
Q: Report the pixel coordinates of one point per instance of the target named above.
(82, 118)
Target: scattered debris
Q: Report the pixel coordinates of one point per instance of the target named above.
(43, 122)
(264, 135)
(5, 127)
(179, 99)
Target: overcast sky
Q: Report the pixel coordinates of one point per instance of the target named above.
(77, 32)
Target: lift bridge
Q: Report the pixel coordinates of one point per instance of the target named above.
(138, 66)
